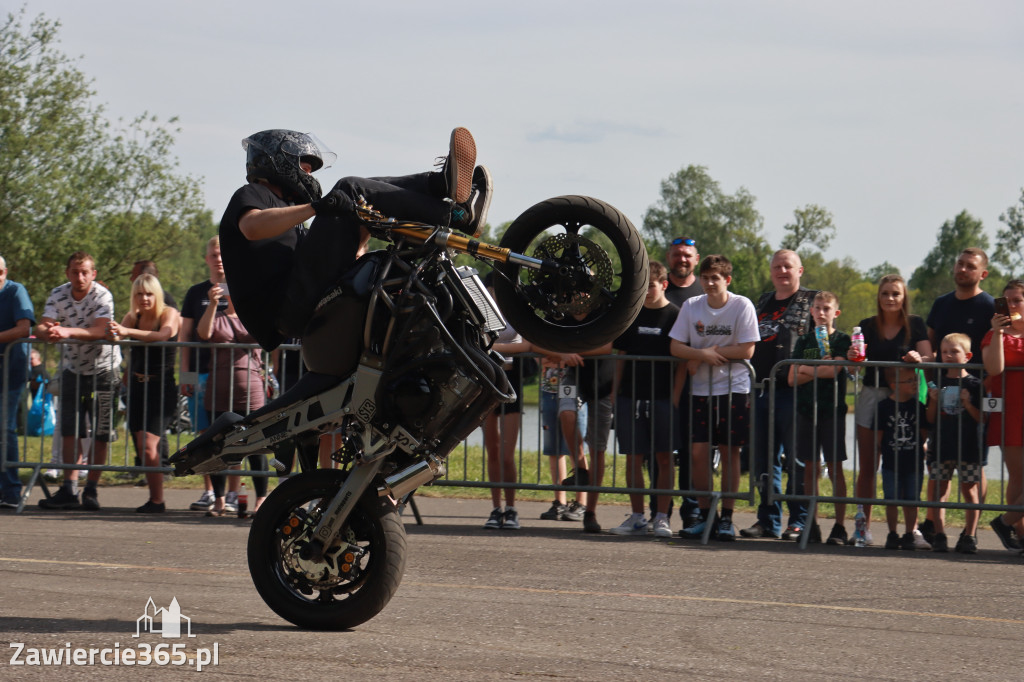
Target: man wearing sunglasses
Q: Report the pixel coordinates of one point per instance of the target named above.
(683, 283)
(683, 259)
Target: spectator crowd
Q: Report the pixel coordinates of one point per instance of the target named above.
(698, 364)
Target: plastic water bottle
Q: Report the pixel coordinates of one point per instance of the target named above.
(243, 502)
(860, 525)
(821, 335)
(857, 343)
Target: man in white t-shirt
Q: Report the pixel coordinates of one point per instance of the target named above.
(712, 333)
(80, 310)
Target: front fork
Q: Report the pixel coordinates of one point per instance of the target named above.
(341, 506)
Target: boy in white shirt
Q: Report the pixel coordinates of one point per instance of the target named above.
(711, 332)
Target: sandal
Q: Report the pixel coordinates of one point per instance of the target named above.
(215, 512)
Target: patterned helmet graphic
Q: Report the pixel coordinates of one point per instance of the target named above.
(277, 156)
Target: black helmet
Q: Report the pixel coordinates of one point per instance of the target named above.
(276, 155)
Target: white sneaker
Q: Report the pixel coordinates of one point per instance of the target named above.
(231, 503)
(919, 541)
(661, 528)
(204, 503)
(635, 524)
(868, 540)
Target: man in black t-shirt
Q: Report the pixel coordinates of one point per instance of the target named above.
(683, 259)
(965, 310)
(278, 270)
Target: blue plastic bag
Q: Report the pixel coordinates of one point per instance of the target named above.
(41, 416)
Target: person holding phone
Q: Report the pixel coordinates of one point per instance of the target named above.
(1002, 349)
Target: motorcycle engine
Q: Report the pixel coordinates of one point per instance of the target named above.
(428, 386)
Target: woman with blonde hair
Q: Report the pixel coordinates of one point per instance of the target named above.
(152, 394)
(891, 335)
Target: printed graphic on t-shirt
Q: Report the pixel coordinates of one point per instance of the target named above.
(712, 329)
(902, 429)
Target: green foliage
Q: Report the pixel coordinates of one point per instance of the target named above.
(70, 181)
(693, 205)
(1010, 241)
(934, 276)
(843, 279)
(813, 225)
(879, 271)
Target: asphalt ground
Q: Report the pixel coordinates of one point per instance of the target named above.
(542, 603)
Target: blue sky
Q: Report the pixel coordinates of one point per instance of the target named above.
(893, 115)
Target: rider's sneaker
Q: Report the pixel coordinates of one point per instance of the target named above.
(204, 503)
(495, 520)
(479, 201)
(511, 519)
(635, 524)
(554, 513)
(458, 167)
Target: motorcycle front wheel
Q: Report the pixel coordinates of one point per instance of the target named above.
(355, 577)
(595, 281)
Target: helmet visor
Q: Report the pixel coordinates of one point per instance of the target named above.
(308, 147)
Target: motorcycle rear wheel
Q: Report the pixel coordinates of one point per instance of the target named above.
(322, 595)
(573, 231)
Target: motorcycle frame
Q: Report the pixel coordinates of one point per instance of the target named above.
(355, 396)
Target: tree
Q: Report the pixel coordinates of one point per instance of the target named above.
(1010, 242)
(693, 205)
(70, 181)
(838, 276)
(812, 225)
(879, 271)
(934, 276)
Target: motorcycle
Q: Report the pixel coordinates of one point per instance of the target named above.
(327, 548)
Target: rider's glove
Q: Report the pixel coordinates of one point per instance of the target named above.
(335, 203)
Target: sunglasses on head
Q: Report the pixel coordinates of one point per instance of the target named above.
(686, 241)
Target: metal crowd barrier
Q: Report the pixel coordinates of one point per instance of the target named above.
(530, 460)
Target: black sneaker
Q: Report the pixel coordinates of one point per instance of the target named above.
(928, 531)
(967, 544)
(838, 535)
(755, 531)
(510, 520)
(892, 540)
(791, 533)
(479, 202)
(940, 543)
(907, 543)
(151, 507)
(90, 500)
(815, 534)
(1007, 535)
(61, 499)
(574, 512)
(555, 512)
(458, 166)
(590, 524)
(496, 519)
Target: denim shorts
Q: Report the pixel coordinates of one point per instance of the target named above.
(553, 441)
(906, 486)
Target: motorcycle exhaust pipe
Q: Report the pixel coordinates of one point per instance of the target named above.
(401, 483)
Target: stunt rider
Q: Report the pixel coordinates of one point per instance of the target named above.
(277, 270)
